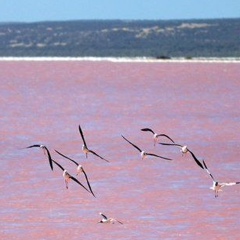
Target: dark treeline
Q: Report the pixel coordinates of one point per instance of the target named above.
(115, 38)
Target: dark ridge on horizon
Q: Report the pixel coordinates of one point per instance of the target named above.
(122, 38)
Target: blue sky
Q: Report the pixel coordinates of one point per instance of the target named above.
(51, 10)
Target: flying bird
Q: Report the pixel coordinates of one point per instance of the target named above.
(155, 135)
(79, 170)
(217, 186)
(67, 177)
(143, 153)
(105, 219)
(184, 149)
(45, 150)
(85, 148)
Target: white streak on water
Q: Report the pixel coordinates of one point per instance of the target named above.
(122, 59)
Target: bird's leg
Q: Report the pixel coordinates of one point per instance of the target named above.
(181, 152)
(66, 182)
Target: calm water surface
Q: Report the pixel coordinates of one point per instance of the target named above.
(44, 102)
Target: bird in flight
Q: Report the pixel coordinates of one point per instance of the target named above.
(85, 148)
(217, 186)
(45, 150)
(79, 170)
(105, 219)
(184, 150)
(67, 177)
(156, 136)
(143, 153)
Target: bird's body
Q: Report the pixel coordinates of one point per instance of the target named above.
(105, 219)
(184, 150)
(79, 169)
(67, 177)
(85, 149)
(217, 186)
(144, 154)
(156, 135)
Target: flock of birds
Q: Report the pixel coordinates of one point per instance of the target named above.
(216, 187)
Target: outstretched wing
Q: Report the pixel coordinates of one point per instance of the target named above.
(67, 157)
(81, 132)
(171, 144)
(119, 221)
(155, 155)
(229, 184)
(98, 155)
(164, 135)
(35, 145)
(58, 165)
(74, 179)
(104, 216)
(196, 160)
(48, 153)
(206, 168)
(148, 130)
(88, 182)
(49, 157)
(132, 144)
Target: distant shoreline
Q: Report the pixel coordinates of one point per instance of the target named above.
(153, 40)
(120, 59)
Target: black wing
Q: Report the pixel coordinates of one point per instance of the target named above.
(206, 168)
(97, 155)
(104, 216)
(171, 144)
(58, 165)
(133, 144)
(164, 135)
(67, 157)
(119, 222)
(49, 158)
(88, 181)
(148, 130)
(48, 153)
(196, 160)
(74, 179)
(81, 132)
(35, 145)
(155, 155)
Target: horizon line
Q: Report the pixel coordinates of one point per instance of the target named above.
(116, 19)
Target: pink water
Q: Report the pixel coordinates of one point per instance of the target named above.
(44, 102)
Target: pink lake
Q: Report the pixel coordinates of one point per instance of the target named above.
(43, 102)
